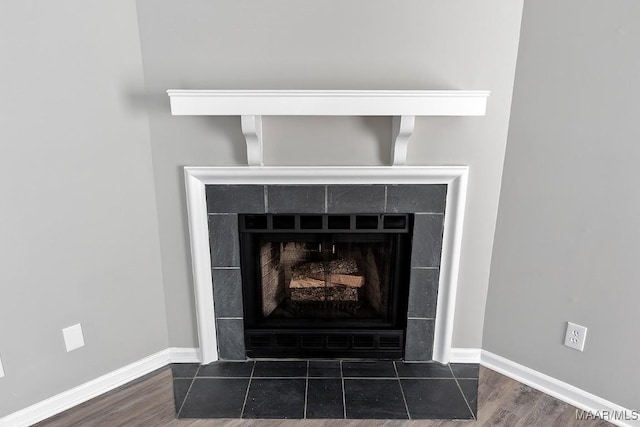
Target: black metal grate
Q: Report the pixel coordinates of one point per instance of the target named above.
(389, 342)
(271, 343)
(286, 341)
(259, 341)
(363, 342)
(327, 223)
(312, 341)
(336, 342)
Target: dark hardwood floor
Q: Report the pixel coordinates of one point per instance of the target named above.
(149, 402)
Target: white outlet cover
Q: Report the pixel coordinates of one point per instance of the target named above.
(1, 369)
(575, 336)
(73, 337)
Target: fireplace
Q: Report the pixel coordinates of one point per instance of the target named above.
(325, 285)
(410, 213)
(429, 329)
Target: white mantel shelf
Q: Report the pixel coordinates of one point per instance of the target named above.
(402, 105)
(328, 102)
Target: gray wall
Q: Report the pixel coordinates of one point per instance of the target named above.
(360, 44)
(566, 245)
(79, 233)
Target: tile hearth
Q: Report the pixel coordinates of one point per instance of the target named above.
(326, 389)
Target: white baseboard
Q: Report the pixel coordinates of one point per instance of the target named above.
(553, 387)
(184, 355)
(465, 355)
(77, 395)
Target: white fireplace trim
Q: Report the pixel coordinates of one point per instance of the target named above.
(454, 176)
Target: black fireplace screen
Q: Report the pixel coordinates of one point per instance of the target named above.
(337, 277)
(324, 270)
(325, 285)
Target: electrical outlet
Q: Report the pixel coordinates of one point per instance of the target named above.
(1, 369)
(73, 337)
(575, 336)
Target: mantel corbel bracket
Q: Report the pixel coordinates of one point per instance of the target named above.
(402, 129)
(252, 131)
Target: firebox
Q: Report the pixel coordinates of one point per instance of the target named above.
(325, 285)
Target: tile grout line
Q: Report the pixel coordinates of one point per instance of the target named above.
(344, 399)
(281, 378)
(374, 378)
(326, 198)
(404, 399)
(462, 393)
(188, 391)
(306, 392)
(385, 199)
(425, 378)
(266, 198)
(211, 377)
(204, 377)
(246, 395)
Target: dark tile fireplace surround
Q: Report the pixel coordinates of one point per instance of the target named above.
(314, 385)
(424, 203)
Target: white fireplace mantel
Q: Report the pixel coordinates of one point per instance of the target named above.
(402, 105)
(197, 178)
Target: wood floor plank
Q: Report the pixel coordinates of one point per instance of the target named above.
(149, 402)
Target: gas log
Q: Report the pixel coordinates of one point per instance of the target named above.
(338, 280)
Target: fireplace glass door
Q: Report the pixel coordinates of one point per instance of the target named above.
(320, 279)
(303, 274)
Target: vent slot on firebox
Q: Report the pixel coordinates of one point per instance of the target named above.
(394, 223)
(332, 344)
